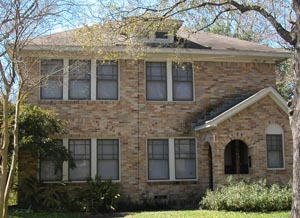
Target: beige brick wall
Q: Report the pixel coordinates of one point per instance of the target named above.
(133, 120)
(250, 127)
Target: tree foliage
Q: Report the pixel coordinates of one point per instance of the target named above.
(37, 133)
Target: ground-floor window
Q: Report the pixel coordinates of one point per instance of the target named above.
(171, 159)
(50, 167)
(81, 153)
(275, 147)
(108, 158)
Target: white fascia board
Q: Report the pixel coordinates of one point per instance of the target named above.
(272, 54)
(277, 98)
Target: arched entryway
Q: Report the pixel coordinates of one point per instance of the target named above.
(236, 158)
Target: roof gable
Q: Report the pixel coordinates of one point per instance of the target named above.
(270, 91)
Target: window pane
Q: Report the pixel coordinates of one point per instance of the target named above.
(52, 67)
(185, 168)
(107, 90)
(79, 79)
(108, 169)
(185, 158)
(182, 91)
(82, 170)
(48, 171)
(275, 151)
(52, 72)
(158, 169)
(156, 90)
(80, 149)
(158, 159)
(52, 89)
(182, 74)
(156, 80)
(79, 89)
(108, 158)
(107, 80)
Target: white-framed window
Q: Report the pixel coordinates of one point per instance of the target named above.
(275, 147)
(107, 80)
(49, 168)
(169, 81)
(185, 159)
(79, 79)
(52, 79)
(182, 77)
(81, 153)
(158, 159)
(171, 159)
(108, 159)
(156, 81)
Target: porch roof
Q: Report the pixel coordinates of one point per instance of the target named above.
(225, 112)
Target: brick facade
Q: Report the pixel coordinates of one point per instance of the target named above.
(133, 120)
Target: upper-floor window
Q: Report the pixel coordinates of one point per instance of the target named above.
(182, 74)
(167, 81)
(81, 153)
(107, 80)
(156, 73)
(275, 148)
(161, 35)
(80, 79)
(52, 81)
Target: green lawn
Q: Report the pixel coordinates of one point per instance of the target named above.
(164, 214)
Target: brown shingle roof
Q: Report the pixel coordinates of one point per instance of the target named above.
(203, 39)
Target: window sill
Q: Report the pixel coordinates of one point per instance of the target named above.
(170, 102)
(273, 169)
(181, 181)
(45, 101)
(73, 182)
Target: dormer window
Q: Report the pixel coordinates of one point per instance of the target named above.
(161, 35)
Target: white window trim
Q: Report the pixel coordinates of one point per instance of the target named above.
(40, 81)
(275, 129)
(65, 172)
(93, 84)
(119, 82)
(169, 81)
(172, 176)
(96, 158)
(68, 170)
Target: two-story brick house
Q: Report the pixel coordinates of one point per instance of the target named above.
(160, 128)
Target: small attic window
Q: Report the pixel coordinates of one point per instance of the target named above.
(161, 35)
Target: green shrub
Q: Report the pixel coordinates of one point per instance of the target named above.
(246, 196)
(95, 196)
(100, 196)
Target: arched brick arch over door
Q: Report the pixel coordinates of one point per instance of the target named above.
(236, 159)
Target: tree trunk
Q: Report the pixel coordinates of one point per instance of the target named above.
(4, 155)
(295, 127)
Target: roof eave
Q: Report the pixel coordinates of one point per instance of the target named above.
(279, 56)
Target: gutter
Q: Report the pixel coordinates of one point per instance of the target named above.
(271, 54)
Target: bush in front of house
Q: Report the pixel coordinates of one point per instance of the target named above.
(95, 196)
(248, 196)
